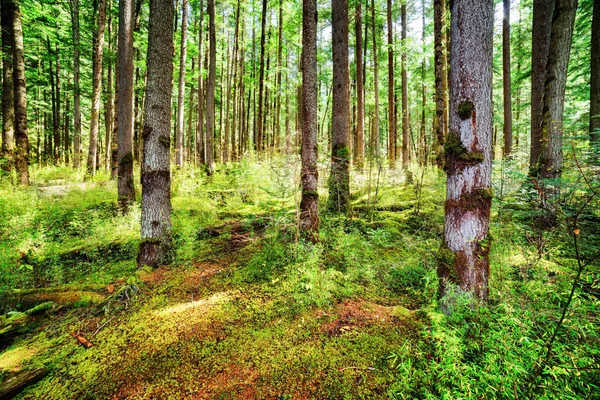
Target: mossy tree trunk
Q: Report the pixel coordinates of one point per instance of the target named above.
(391, 90)
(464, 258)
(441, 82)
(309, 211)
(156, 180)
(339, 179)
(126, 191)
(595, 82)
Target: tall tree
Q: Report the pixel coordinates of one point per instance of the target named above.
(261, 78)
(595, 80)
(563, 21)
(181, 91)
(96, 87)
(156, 239)
(540, 45)
(375, 140)
(125, 185)
(405, 127)
(210, 95)
(200, 139)
(309, 210)
(506, 80)
(339, 179)
(441, 87)
(423, 151)
(391, 91)
(76, 84)
(8, 99)
(360, 90)
(463, 258)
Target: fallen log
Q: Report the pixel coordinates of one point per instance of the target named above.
(16, 383)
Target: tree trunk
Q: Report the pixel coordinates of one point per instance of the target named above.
(8, 99)
(189, 150)
(156, 239)
(236, 88)
(339, 179)
(259, 129)
(279, 93)
(181, 94)
(359, 154)
(76, 85)
(210, 95)
(563, 21)
(391, 94)
(375, 139)
(441, 87)
(108, 98)
(540, 38)
(422, 136)
(595, 82)
(309, 210)
(96, 88)
(200, 157)
(67, 117)
(506, 80)
(125, 182)
(463, 259)
(55, 120)
(405, 127)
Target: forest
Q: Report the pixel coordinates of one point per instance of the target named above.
(285, 199)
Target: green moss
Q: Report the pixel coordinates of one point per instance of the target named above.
(465, 109)
(127, 159)
(309, 193)
(447, 263)
(165, 141)
(455, 151)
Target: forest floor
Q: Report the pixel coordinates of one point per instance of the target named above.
(246, 310)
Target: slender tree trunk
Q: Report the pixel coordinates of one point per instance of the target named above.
(563, 21)
(114, 158)
(67, 122)
(259, 128)
(125, 182)
(8, 99)
(136, 111)
(96, 88)
(200, 158)
(156, 241)
(359, 154)
(20, 95)
(595, 82)
(309, 210)
(190, 120)
(76, 85)
(229, 75)
(375, 139)
(405, 127)
(441, 88)
(463, 259)
(540, 38)
(278, 93)
(58, 102)
(506, 80)
(236, 87)
(391, 96)
(339, 179)
(55, 120)
(210, 96)
(108, 97)
(422, 135)
(181, 94)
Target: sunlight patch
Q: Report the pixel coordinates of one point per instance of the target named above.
(12, 360)
(202, 304)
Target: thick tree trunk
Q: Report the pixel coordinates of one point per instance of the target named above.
(563, 21)
(595, 81)
(405, 127)
(8, 99)
(463, 258)
(506, 80)
(76, 85)
(156, 172)
(339, 179)
(210, 95)
(540, 38)
(96, 88)
(391, 91)
(309, 210)
(181, 93)
(441, 87)
(359, 154)
(125, 185)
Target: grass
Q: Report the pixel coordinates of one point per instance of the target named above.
(257, 313)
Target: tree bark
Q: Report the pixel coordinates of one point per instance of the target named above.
(595, 81)
(200, 157)
(405, 127)
(339, 179)
(125, 185)
(563, 21)
(259, 129)
(8, 98)
(375, 139)
(391, 91)
(422, 136)
(463, 259)
(76, 85)
(441, 87)
(210, 95)
(359, 154)
(506, 80)
(181, 93)
(540, 40)
(309, 210)
(156, 239)
(96, 88)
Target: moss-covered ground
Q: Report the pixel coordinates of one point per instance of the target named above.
(247, 310)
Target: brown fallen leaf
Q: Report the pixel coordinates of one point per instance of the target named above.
(81, 340)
